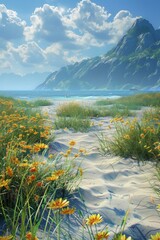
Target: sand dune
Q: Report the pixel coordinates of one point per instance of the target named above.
(112, 185)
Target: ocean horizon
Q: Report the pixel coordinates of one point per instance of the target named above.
(68, 94)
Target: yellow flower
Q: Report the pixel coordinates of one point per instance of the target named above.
(68, 151)
(6, 237)
(155, 237)
(127, 137)
(102, 235)
(142, 135)
(72, 143)
(65, 155)
(76, 155)
(158, 207)
(68, 210)
(52, 178)
(24, 164)
(123, 237)
(82, 150)
(58, 203)
(94, 219)
(59, 172)
(80, 171)
(4, 183)
(50, 156)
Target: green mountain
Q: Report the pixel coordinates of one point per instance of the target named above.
(133, 63)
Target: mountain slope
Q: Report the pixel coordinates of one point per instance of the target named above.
(133, 63)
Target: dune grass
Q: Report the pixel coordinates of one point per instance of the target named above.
(74, 123)
(136, 139)
(134, 102)
(78, 117)
(41, 102)
(117, 111)
(36, 188)
(30, 182)
(75, 109)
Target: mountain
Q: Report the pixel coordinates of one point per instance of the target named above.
(11, 81)
(133, 63)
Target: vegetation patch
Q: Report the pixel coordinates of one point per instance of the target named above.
(74, 123)
(136, 139)
(134, 102)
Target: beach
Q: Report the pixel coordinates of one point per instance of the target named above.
(111, 185)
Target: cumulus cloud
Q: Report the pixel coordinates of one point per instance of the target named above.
(91, 18)
(57, 36)
(120, 24)
(87, 23)
(11, 26)
(88, 16)
(46, 24)
(29, 53)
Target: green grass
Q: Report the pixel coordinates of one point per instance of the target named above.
(27, 104)
(21, 127)
(134, 102)
(117, 111)
(75, 123)
(36, 190)
(76, 116)
(136, 139)
(74, 109)
(40, 103)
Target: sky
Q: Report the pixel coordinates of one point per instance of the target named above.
(44, 35)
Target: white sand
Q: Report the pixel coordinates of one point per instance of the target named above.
(112, 185)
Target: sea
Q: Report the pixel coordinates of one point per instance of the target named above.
(64, 95)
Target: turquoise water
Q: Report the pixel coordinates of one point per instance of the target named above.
(29, 95)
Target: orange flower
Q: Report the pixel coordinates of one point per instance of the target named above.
(58, 203)
(39, 184)
(9, 171)
(68, 211)
(102, 235)
(29, 236)
(36, 198)
(72, 143)
(33, 169)
(30, 179)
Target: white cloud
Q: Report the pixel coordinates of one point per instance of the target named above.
(120, 24)
(11, 26)
(47, 24)
(122, 14)
(56, 36)
(93, 19)
(88, 16)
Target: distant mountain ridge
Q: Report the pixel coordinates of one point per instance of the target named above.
(133, 63)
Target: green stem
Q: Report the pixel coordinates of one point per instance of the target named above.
(58, 224)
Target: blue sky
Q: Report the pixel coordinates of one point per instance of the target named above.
(44, 35)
